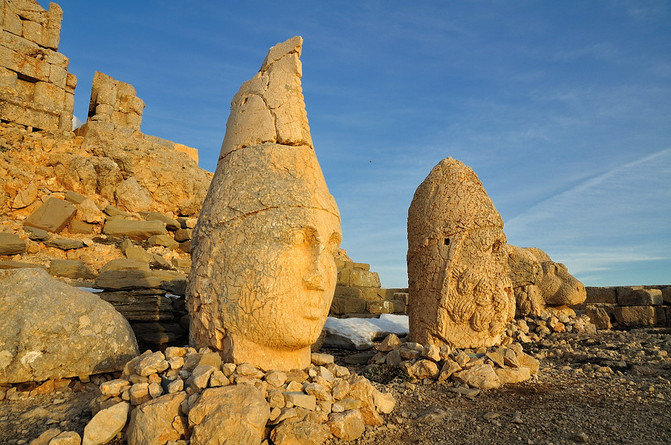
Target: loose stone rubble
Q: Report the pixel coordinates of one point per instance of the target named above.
(263, 271)
(184, 394)
(459, 289)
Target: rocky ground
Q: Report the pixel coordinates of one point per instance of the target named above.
(609, 387)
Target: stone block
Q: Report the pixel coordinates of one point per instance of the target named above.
(666, 294)
(24, 115)
(70, 82)
(635, 316)
(364, 278)
(52, 216)
(11, 244)
(601, 295)
(361, 266)
(80, 227)
(7, 81)
(32, 31)
(660, 316)
(75, 269)
(58, 76)
(630, 296)
(12, 23)
(174, 282)
(343, 305)
(344, 276)
(599, 316)
(380, 307)
(371, 293)
(49, 96)
(189, 151)
(138, 230)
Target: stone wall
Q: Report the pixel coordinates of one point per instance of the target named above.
(630, 306)
(358, 292)
(115, 116)
(115, 101)
(35, 88)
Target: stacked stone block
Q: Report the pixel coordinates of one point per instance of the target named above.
(115, 102)
(358, 292)
(631, 306)
(35, 88)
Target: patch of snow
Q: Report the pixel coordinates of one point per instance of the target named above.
(91, 289)
(359, 333)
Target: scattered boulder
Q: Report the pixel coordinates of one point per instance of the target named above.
(231, 413)
(50, 330)
(75, 269)
(131, 196)
(52, 216)
(63, 243)
(106, 424)
(11, 244)
(157, 421)
(136, 230)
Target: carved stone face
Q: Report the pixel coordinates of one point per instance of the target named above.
(459, 289)
(282, 279)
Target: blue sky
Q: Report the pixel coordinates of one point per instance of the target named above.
(563, 109)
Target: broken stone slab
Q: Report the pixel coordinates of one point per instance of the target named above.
(10, 264)
(80, 227)
(36, 234)
(170, 223)
(52, 216)
(75, 269)
(51, 330)
(141, 305)
(63, 243)
(171, 281)
(74, 197)
(136, 230)
(114, 211)
(11, 244)
(163, 240)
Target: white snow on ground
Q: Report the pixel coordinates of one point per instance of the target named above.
(90, 289)
(359, 333)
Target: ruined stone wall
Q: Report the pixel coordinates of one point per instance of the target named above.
(629, 306)
(115, 101)
(358, 292)
(35, 88)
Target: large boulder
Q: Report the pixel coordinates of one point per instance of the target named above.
(459, 289)
(49, 330)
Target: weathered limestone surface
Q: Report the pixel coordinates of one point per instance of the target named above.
(49, 330)
(263, 273)
(35, 88)
(460, 292)
(115, 101)
(539, 283)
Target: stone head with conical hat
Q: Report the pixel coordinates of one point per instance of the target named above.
(459, 289)
(263, 272)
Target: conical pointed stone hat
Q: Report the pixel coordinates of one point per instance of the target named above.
(449, 201)
(267, 160)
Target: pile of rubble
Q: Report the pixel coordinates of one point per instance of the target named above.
(185, 394)
(481, 368)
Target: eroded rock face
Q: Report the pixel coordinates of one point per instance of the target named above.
(263, 273)
(49, 330)
(459, 289)
(539, 282)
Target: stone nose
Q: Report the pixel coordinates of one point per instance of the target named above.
(315, 278)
